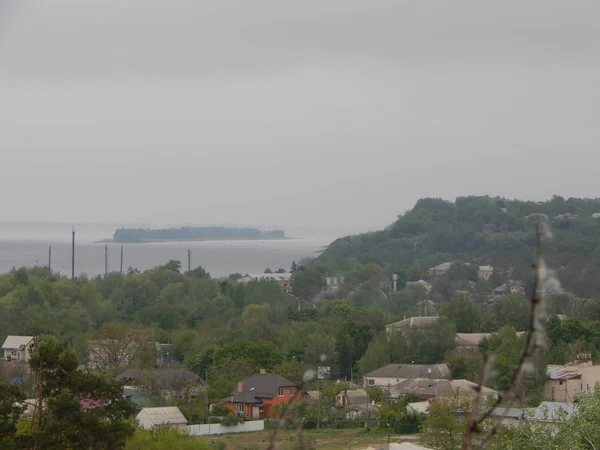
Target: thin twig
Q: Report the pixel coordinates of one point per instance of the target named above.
(474, 425)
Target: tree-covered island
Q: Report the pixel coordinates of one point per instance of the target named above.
(140, 235)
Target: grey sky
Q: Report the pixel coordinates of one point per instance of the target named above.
(312, 112)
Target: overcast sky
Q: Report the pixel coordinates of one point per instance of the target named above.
(312, 112)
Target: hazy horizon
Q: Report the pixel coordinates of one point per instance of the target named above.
(269, 112)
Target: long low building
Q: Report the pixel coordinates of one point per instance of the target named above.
(426, 388)
(392, 374)
(282, 279)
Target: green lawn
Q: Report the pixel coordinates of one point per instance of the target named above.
(325, 439)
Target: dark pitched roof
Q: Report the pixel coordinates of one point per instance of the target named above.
(167, 378)
(411, 371)
(260, 386)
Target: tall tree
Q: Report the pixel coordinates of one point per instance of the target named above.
(59, 420)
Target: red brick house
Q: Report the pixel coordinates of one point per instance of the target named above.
(257, 397)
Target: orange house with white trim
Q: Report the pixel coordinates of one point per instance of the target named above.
(257, 397)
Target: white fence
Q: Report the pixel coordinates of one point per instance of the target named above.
(217, 428)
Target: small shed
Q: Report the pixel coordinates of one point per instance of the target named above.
(149, 418)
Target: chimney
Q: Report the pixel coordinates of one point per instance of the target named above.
(263, 371)
(240, 386)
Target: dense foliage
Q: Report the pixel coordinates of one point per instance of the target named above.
(57, 421)
(489, 230)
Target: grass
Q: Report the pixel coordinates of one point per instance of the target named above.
(325, 439)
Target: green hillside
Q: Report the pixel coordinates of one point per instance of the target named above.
(483, 230)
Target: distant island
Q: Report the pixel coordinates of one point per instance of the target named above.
(141, 235)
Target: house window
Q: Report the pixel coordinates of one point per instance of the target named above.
(293, 391)
(280, 392)
(14, 353)
(371, 382)
(239, 407)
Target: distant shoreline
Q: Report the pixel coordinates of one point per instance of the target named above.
(154, 241)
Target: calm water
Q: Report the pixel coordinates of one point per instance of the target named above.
(27, 245)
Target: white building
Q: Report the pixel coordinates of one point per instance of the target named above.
(485, 272)
(282, 279)
(18, 348)
(149, 418)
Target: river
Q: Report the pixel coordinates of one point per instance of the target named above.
(27, 244)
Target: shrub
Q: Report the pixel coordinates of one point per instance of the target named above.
(231, 421)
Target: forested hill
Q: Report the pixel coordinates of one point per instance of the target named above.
(485, 230)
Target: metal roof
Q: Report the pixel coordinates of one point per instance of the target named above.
(555, 372)
(554, 412)
(436, 388)
(13, 342)
(170, 415)
(417, 321)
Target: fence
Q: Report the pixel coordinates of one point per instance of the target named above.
(217, 428)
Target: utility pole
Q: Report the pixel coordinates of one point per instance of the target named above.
(189, 260)
(50, 258)
(73, 256)
(121, 260)
(105, 259)
(207, 403)
(319, 408)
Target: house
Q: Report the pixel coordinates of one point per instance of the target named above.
(565, 383)
(173, 383)
(116, 353)
(392, 374)
(149, 418)
(470, 340)
(334, 282)
(485, 272)
(440, 269)
(427, 388)
(418, 407)
(260, 395)
(411, 322)
(351, 397)
(18, 348)
(356, 402)
(311, 396)
(138, 397)
(90, 403)
(282, 279)
(512, 287)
